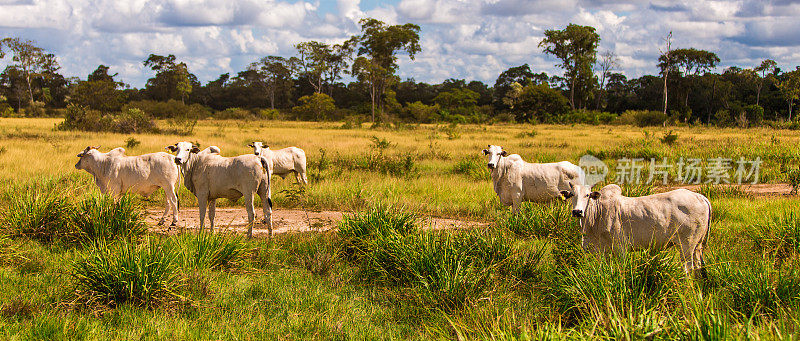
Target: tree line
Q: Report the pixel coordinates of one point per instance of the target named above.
(311, 85)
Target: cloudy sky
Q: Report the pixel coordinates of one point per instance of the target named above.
(471, 39)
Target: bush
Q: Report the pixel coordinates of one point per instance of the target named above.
(419, 112)
(587, 117)
(643, 118)
(131, 120)
(669, 138)
(101, 217)
(234, 114)
(358, 228)
(316, 107)
(169, 109)
(270, 114)
(121, 272)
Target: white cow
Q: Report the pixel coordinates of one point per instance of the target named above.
(516, 181)
(210, 176)
(116, 173)
(284, 161)
(611, 222)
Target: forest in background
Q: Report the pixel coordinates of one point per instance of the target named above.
(356, 81)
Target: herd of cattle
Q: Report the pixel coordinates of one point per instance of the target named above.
(609, 221)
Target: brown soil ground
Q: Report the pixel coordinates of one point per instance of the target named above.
(759, 190)
(283, 221)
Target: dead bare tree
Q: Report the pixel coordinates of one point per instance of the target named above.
(665, 66)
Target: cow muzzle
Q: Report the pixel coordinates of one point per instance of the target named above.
(577, 213)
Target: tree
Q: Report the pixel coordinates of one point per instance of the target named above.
(31, 60)
(688, 63)
(317, 107)
(789, 86)
(608, 63)
(98, 92)
(275, 75)
(666, 64)
(766, 68)
(576, 47)
(378, 45)
(322, 63)
(522, 75)
(172, 80)
(539, 101)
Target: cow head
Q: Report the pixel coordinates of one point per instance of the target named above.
(90, 150)
(258, 147)
(580, 195)
(182, 151)
(494, 153)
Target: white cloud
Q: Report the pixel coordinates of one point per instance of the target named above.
(471, 39)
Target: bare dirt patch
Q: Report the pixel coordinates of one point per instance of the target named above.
(283, 221)
(756, 190)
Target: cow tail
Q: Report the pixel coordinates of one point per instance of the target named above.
(703, 270)
(268, 175)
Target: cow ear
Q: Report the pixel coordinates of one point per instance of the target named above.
(251, 145)
(195, 149)
(485, 152)
(171, 148)
(504, 153)
(595, 195)
(566, 194)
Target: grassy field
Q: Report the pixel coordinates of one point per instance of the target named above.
(76, 265)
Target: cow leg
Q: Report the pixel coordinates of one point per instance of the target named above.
(687, 253)
(201, 207)
(700, 262)
(266, 202)
(516, 202)
(172, 199)
(248, 205)
(212, 212)
(167, 205)
(305, 179)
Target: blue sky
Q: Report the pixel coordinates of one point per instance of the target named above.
(470, 39)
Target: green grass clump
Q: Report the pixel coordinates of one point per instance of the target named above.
(38, 211)
(757, 287)
(101, 217)
(358, 229)
(121, 272)
(604, 290)
(638, 190)
(713, 192)
(539, 220)
(778, 236)
(208, 250)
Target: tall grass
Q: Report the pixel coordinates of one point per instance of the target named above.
(199, 251)
(120, 272)
(778, 236)
(39, 211)
(605, 290)
(101, 217)
(757, 288)
(539, 220)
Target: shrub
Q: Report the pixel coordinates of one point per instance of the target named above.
(122, 272)
(587, 117)
(357, 229)
(208, 250)
(132, 142)
(101, 217)
(169, 109)
(420, 112)
(234, 114)
(132, 120)
(669, 138)
(316, 107)
(643, 118)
